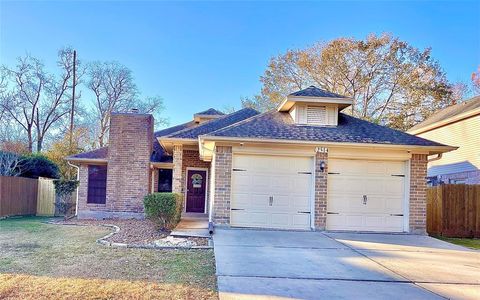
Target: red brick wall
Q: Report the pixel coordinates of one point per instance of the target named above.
(83, 206)
(418, 193)
(191, 158)
(129, 150)
(321, 190)
(223, 179)
(128, 173)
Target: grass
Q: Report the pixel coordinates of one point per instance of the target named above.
(466, 242)
(40, 261)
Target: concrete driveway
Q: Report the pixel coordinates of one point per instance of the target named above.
(258, 264)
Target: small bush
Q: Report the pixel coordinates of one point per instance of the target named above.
(164, 208)
(64, 190)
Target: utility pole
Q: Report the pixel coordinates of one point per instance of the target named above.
(73, 97)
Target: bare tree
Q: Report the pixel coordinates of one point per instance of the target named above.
(10, 164)
(58, 97)
(37, 100)
(28, 81)
(115, 91)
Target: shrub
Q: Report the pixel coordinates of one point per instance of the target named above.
(37, 165)
(64, 190)
(164, 208)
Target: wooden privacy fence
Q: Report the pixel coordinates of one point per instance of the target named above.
(45, 197)
(453, 210)
(18, 196)
(25, 196)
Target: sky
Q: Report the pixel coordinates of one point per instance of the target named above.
(197, 55)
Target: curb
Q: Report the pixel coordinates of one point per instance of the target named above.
(103, 240)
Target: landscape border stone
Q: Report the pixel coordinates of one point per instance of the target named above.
(116, 229)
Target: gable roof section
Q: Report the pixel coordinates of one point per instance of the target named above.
(215, 124)
(448, 115)
(280, 126)
(313, 91)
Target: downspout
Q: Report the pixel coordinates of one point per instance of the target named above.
(78, 180)
(439, 156)
(152, 179)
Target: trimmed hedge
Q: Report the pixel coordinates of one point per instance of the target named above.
(164, 208)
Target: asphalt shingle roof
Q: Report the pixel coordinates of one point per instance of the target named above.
(313, 91)
(280, 125)
(215, 124)
(210, 112)
(158, 155)
(100, 153)
(450, 112)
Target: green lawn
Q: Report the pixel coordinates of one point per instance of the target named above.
(39, 260)
(470, 243)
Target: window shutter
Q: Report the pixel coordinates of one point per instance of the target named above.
(316, 115)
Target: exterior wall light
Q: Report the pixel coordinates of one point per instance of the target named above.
(322, 165)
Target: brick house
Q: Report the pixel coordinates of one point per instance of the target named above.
(303, 166)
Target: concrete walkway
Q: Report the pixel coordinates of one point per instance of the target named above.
(256, 264)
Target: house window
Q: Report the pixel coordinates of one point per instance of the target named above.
(97, 184)
(316, 115)
(165, 180)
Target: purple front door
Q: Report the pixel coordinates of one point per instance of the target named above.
(196, 189)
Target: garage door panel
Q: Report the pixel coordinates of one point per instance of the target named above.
(347, 184)
(379, 182)
(279, 177)
(256, 219)
(301, 203)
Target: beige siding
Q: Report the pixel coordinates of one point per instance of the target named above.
(464, 134)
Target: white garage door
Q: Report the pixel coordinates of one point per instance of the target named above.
(271, 191)
(365, 195)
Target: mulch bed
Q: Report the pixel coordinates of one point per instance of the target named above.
(139, 232)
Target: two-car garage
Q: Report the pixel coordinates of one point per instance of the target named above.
(277, 191)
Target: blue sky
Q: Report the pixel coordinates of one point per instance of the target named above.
(198, 55)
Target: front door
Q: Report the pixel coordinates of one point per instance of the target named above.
(196, 189)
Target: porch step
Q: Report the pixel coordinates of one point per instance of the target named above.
(190, 215)
(191, 233)
(194, 227)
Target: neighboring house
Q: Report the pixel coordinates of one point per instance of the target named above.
(457, 125)
(304, 166)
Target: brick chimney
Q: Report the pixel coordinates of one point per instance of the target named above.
(129, 150)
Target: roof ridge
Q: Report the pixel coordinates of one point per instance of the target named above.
(384, 127)
(242, 121)
(183, 124)
(207, 122)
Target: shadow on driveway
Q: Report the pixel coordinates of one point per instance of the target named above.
(256, 264)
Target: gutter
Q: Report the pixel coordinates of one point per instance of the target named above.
(434, 149)
(439, 156)
(78, 179)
